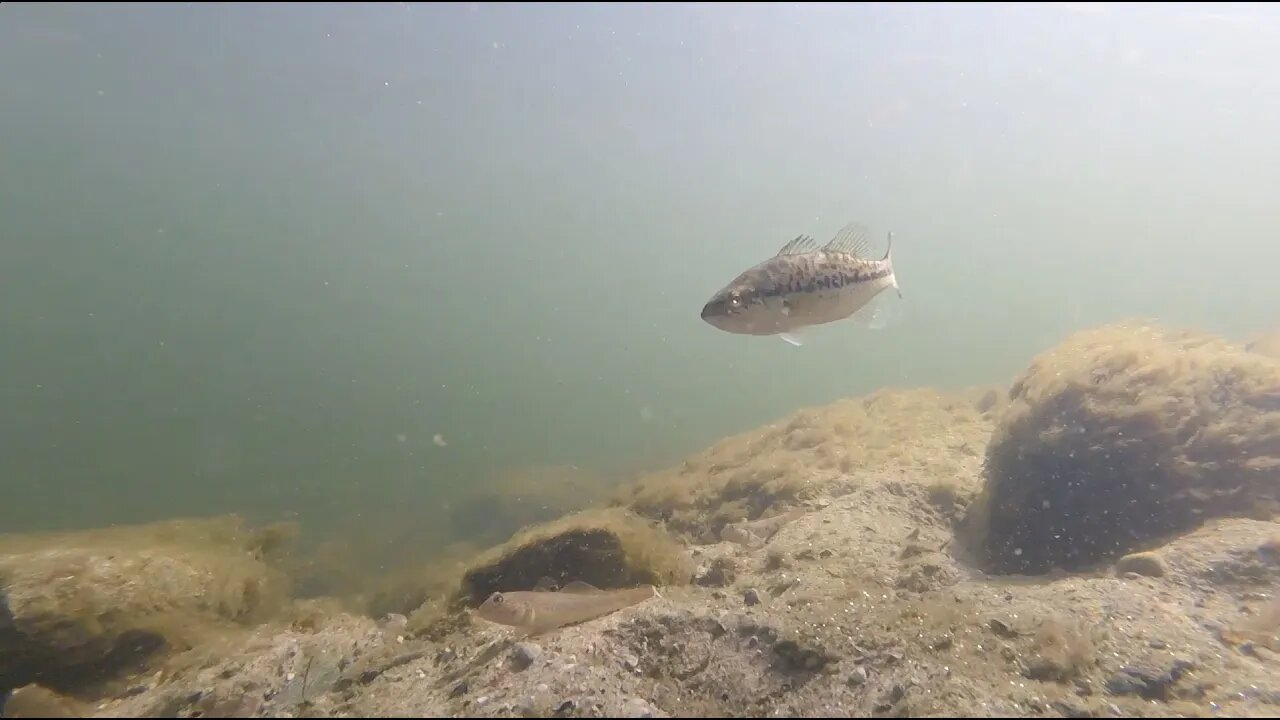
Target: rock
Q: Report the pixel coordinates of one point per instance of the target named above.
(605, 548)
(638, 708)
(1147, 683)
(34, 701)
(751, 597)
(394, 623)
(1144, 563)
(82, 602)
(858, 677)
(721, 573)
(523, 655)
(272, 671)
(1122, 436)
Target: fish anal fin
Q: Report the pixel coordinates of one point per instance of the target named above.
(850, 240)
(800, 245)
(878, 314)
(580, 587)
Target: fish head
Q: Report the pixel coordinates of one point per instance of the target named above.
(745, 307)
(506, 609)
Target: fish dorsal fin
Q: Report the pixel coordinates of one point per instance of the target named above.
(802, 244)
(851, 240)
(580, 588)
(545, 584)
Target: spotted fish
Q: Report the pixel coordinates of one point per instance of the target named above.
(803, 285)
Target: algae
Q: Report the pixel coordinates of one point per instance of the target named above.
(607, 548)
(743, 477)
(1123, 436)
(81, 605)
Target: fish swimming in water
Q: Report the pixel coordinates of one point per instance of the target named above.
(537, 611)
(803, 285)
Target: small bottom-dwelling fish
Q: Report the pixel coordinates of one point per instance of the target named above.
(755, 533)
(803, 285)
(537, 611)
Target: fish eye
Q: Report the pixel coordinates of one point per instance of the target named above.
(497, 598)
(735, 300)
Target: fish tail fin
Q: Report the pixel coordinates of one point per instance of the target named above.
(888, 258)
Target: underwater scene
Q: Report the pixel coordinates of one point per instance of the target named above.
(639, 360)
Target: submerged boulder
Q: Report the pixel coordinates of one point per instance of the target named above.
(606, 548)
(1122, 436)
(758, 472)
(75, 604)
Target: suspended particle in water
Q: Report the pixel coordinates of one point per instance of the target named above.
(438, 439)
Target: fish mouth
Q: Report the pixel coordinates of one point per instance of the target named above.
(714, 313)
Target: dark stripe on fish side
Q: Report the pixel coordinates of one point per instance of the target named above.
(825, 281)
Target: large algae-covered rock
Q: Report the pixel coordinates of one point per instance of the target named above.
(606, 548)
(73, 603)
(933, 434)
(1122, 436)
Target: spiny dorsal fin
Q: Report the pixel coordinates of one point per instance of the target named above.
(577, 586)
(802, 244)
(851, 240)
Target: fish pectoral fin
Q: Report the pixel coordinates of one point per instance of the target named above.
(579, 587)
(791, 338)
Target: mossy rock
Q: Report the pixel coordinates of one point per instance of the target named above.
(75, 605)
(935, 434)
(1121, 437)
(606, 548)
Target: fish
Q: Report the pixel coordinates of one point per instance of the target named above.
(756, 533)
(804, 285)
(533, 612)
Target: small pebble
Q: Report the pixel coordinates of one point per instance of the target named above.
(751, 596)
(858, 676)
(1142, 563)
(523, 655)
(637, 708)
